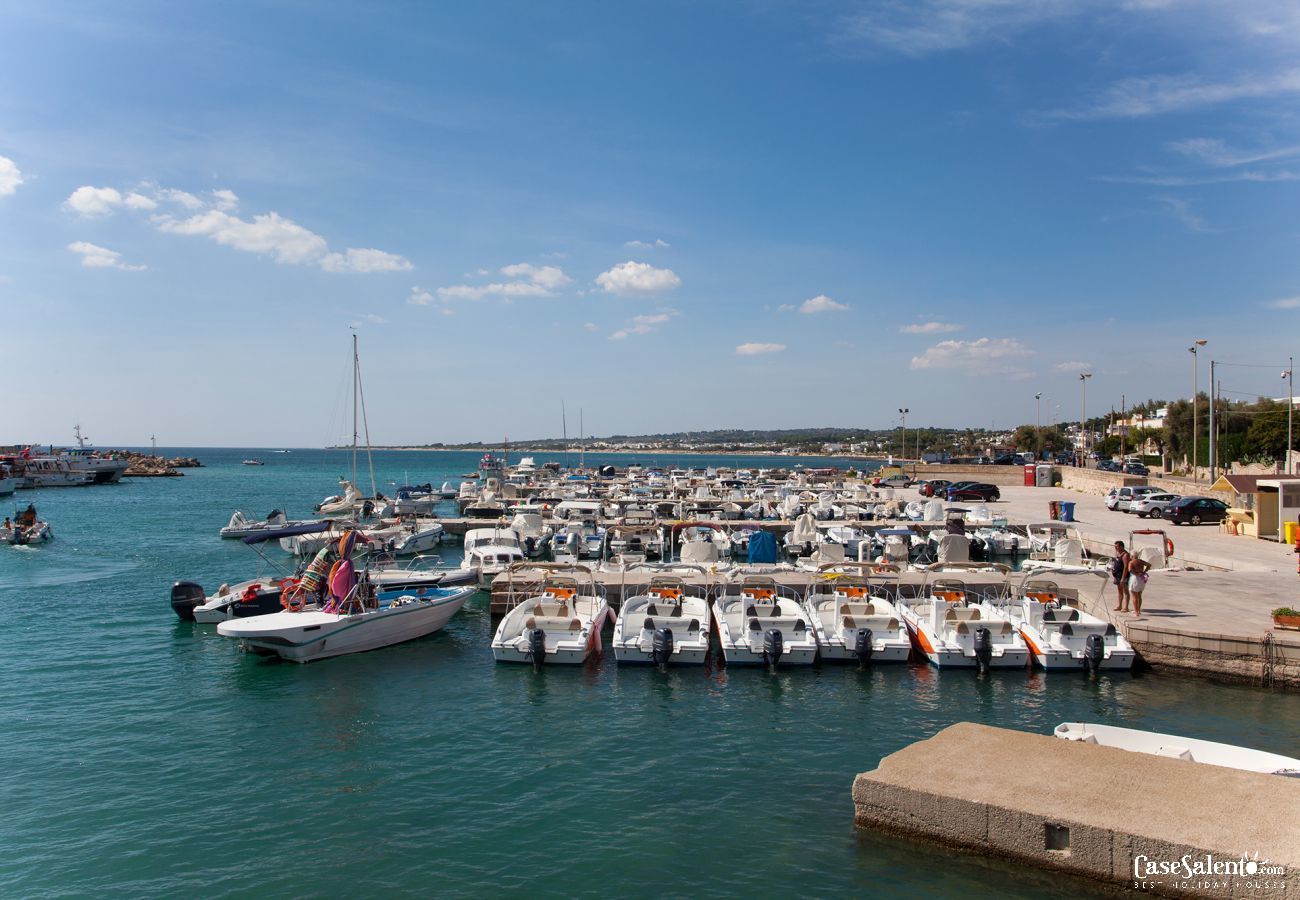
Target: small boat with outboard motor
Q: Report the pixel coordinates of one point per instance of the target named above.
(852, 618)
(1060, 635)
(557, 619)
(762, 623)
(26, 529)
(666, 623)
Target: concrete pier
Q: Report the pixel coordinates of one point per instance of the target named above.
(1093, 811)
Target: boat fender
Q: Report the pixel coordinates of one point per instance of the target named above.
(1169, 547)
(1094, 652)
(661, 647)
(773, 648)
(862, 646)
(983, 650)
(537, 648)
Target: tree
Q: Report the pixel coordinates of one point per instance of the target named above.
(1266, 436)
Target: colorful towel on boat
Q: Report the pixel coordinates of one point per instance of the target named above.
(316, 573)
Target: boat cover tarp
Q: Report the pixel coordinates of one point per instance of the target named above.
(762, 547)
(276, 534)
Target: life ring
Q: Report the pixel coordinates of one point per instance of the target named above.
(1169, 547)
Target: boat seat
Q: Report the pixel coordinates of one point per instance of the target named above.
(675, 623)
(1060, 615)
(875, 623)
(762, 609)
(995, 628)
(553, 623)
(858, 609)
(551, 609)
(1086, 628)
(962, 614)
(783, 623)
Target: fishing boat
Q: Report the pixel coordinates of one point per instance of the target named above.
(254, 462)
(1191, 749)
(852, 618)
(953, 628)
(26, 529)
(1062, 636)
(559, 621)
(762, 623)
(667, 623)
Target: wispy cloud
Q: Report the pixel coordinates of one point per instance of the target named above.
(89, 202)
(930, 328)
(95, 257)
(657, 243)
(1181, 211)
(923, 27)
(1134, 98)
(368, 319)
(526, 280)
(644, 324)
(1286, 303)
(419, 297)
(1195, 180)
(753, 349)
(632, 278)
(821, 304)
(986, 355)
(1214, 152)
(1072, 367)
(10, 177)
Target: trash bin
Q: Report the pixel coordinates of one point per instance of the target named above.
(1030, 475)
(1067, 510)
(1290, 531)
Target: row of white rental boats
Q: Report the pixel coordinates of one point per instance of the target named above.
(847, 614)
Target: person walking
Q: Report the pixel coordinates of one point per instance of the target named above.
(1119, 575)
(1137, 581)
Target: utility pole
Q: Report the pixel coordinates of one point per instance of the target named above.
(902, 441)
(1289, 375)
(1038, 425)
(1123, 428)
(1083, 418)
(1214, 434)
(1196, 345)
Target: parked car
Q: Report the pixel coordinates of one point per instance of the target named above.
(1195, 510)
(1108, 465)
(934, 486)
(1136, 469)
(895, 481)
(1138, 493)
(984, 492)
(1119, 498)
(1151, 505)
(1005, 460)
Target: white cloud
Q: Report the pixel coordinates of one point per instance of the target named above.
(1072, 367)
(644, 324)
(96, 257)
(268, 234)
(181, 198)
(756, 349)
(647, 245)
(590, 326)
(637, 278)
(1286, 303)
(224, 200)
(930, 328)
(1214, 152)
(366, 261)
(529, 281)
(369, 318)
(820, 304)
(987, 355)
(1182, 211)
(1154, 95)
(10, 177)
(419, 297)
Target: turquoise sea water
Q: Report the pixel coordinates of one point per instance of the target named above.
(144, 756)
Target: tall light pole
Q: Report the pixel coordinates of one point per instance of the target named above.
(1196, 345)
(903, 441)
(1289, 375)
(1083, 414)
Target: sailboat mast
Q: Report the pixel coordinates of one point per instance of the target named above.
(355, 364)
(582, 442)
(365, 421)
(564, 423)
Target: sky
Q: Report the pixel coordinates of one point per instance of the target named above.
(670, 215)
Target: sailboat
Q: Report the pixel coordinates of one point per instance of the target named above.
(352, 500)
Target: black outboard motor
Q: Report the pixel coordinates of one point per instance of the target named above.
(1094, 652)
(661, 647)
(537, 648)
(773, 647)
(983, 650)
(367, 508)
(185, 596)
(530, 546)
(863, 648)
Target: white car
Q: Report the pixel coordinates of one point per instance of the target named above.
(1126, 505)
(1151, 505)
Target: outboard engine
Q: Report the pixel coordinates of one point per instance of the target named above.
(367, 508)
(862, 647)
(185, 596)
(537, 648)
(530, 546)
(773, 647)
(983, 650)
(661, 647)
(1094, 652)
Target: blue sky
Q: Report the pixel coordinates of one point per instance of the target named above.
(672, 215)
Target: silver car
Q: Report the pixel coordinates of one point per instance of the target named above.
(1135, 494)
(1152, 505)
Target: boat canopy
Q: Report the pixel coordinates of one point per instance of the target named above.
(276, 534)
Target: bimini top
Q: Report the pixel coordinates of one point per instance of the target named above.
(276, 534)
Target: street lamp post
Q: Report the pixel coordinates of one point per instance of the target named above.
(902, 443)
(1289, 375)
(1196, 345)
(1083, 415)
(1038, 422)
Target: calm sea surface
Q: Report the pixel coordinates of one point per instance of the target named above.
(144, 756)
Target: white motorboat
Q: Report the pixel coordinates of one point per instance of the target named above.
(241, 526)
(1062, 636)
(763, 623)
(341, 504)
(358, 622)
(852, 619)
(689, 533)
(802, 537)
(1191, 749)
(952, 628)
(416, 536)
(306, 544)
(533, 533)
(667, 623)
(255, 597)
(489, 552)
(26, 529)
(45, 471)
(559, 621)
(7, 485)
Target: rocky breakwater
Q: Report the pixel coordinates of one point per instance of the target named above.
(145, 466)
